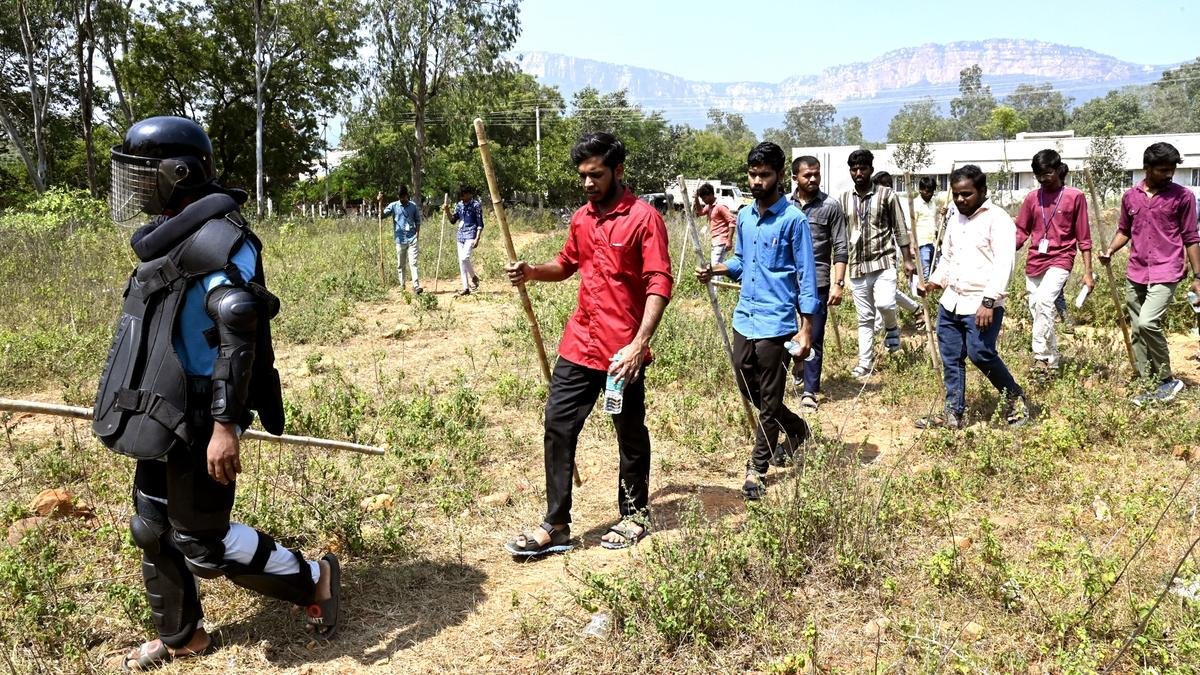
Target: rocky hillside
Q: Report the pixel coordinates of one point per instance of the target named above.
(873, 89)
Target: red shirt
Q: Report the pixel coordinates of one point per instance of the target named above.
(1159, 228)
(622, 258)
(1061, 218)
(720, 223)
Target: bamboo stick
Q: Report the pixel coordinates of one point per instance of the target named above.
(485, 155)
(437, 272)
(379, 239)
(930, 342)
(60, 410)
(1122, 318)
(703, 260)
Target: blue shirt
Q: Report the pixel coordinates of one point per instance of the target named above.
(470, 219)
(195, 354)
(773, 258)
(407, 220)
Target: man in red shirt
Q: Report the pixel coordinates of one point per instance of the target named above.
(618, 244)
(720, 221)
(1054, 220)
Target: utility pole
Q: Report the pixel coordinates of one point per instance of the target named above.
(537, 126)
(325, 143)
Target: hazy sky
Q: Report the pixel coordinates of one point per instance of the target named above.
(713, 40)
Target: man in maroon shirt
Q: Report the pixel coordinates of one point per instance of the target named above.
(1054, 220)
(618, 244)
(1158, 220)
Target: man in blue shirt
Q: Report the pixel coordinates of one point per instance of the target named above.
(406, 225)
(468, 214)
(773, 259)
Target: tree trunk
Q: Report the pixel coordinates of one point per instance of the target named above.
(84, 69)
(41, 169)
(6, 123)
(259, 182)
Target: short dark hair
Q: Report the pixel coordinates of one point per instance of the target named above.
(804, 160)
(1048, 160)
(706, 189)
(861, 157)
(972, 173)
(1159, 154)
(882, 178)
(767, 154)
(602, 144)
(466, 188)
(927, 182)
(403, 189)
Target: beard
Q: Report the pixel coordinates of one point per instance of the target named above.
(769, 190)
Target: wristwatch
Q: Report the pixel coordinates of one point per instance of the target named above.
(841, 283)
(989, 303)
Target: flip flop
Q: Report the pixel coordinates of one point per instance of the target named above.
(147, 660)
(322, 615)
(526, 545)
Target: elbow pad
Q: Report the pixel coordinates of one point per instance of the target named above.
(235, 311)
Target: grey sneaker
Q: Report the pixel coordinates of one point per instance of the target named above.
(808, 402)
(948, 419)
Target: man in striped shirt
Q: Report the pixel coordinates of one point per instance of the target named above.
(876, 229)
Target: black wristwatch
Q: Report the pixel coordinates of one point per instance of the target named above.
(989, 303)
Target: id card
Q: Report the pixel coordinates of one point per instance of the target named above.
(1044, 246)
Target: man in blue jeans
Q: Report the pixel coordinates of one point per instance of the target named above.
(827, 225)
(978, 249)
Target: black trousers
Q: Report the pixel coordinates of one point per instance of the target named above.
(762, 378)
(573, 393)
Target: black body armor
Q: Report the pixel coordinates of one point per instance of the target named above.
(142, 400)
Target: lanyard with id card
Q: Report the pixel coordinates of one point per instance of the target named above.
(1044, 244)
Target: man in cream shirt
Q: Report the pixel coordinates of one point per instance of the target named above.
(977, 258)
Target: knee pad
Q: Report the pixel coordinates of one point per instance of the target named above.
(146, 535)
(205, 553)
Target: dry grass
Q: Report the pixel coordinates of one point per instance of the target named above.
(457, 396)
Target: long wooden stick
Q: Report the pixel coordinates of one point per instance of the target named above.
(437, 272)
(485, 155)
(379, 240)
(1122, 318)
(704, 260)
(916, 250)
(59, 410)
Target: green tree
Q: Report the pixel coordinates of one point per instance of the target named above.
(199, 61)
(1042, 107)
(1119, 113)
(421, 46)
(807, 125)
(731, 127)
(1106, 163)
(850, 131)
(972, 108)
(919, 120)
(651, 143)
(1174, 101)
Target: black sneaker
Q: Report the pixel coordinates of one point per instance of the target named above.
(417, 290)
(462, 292)
(754, 488)
(1016, 411)
(474, 282)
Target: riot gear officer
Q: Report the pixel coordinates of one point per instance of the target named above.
(190, 365)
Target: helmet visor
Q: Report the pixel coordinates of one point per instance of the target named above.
(134, 184)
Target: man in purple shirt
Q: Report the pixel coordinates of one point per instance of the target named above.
(1054, 220)
(1158, 220)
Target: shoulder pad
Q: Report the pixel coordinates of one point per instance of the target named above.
(210, 248)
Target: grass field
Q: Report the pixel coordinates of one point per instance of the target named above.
(1048, 549)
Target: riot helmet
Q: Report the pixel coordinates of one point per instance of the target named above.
(161, 160)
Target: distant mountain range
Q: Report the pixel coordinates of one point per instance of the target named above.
(873, 90)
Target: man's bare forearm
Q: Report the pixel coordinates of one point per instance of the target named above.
(551, 271)
(655, 305)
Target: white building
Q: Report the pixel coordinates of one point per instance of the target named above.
(990, 156)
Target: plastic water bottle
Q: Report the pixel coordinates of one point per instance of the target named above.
(794, 349)
(1194, 301)
(614, 390)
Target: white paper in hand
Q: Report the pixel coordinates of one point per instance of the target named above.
(1083, 293)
